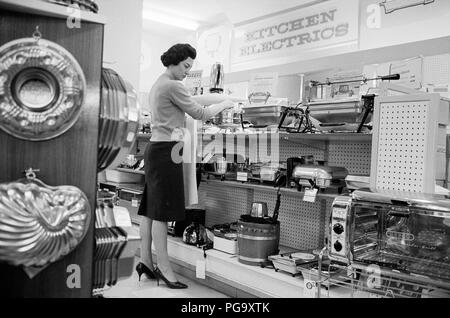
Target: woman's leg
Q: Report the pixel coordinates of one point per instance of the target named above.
(145, 230)
(159, 233)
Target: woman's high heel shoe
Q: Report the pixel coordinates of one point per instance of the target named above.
(173, 285)
(141, 268)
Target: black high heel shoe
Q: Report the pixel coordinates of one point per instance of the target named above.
(141, 268)
(173, 285)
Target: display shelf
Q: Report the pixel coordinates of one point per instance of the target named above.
(50, 10)
(327, 137)
(131, 171)
(301, 136)
(255, 280)
(263, 187)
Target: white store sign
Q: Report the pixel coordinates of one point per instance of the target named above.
(296, 34)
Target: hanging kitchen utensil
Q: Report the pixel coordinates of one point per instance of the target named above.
(119, 119)
(42, 88)
(39, 224)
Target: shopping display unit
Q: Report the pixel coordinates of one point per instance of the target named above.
(339, 190)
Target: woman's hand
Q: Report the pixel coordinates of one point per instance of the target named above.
(226, 104)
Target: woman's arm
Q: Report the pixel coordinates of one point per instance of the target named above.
(180, 96)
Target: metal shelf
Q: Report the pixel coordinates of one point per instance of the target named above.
(262, 187)
(304, 137)
(130, 171)
(327, 137)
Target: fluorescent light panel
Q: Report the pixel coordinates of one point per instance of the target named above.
(170, 19)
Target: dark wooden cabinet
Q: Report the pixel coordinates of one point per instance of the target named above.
(70, 159)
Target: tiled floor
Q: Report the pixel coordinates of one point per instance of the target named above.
(147, 288)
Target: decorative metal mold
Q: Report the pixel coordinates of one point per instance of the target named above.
(42, 89)
(40, 224)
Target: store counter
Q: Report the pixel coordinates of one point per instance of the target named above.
(226, 274)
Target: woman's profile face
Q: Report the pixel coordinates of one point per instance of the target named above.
(181, 70)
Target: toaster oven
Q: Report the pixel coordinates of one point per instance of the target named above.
(399, 232)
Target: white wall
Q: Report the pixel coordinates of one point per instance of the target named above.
(122, 39)
(153, 45)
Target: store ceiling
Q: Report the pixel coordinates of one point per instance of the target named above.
(213, 12)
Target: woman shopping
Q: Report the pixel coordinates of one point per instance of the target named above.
(163, 200)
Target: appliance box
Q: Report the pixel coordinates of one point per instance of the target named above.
(225, 245)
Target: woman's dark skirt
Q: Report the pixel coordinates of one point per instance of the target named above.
(163, 197)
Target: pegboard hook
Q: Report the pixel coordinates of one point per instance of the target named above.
(30, 173)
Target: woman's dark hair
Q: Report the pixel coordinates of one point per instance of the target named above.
(177, 53)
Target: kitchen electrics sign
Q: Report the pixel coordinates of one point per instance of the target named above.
(291, 34)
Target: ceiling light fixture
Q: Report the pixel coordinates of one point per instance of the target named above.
(170, 19)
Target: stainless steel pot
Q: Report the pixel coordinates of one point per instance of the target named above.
(42, 89)
(259, 210)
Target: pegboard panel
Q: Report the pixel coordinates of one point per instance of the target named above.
(265, 147)
(403, 145)
(355, 156)
(301, 223)
(224, 204)
(436, 69)
(290, 148)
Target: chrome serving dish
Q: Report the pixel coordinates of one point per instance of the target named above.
(338, 114)
(289, 262)
(263, 115)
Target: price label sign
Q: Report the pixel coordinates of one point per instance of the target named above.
(242, 176)
(309, 288)
(310, 195)
(134, 203)
(200, 269)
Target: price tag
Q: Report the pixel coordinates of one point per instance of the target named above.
(122, 216)
(310, 195)
(242, 176)
(200, 269)
(134, 203)
(309, 288)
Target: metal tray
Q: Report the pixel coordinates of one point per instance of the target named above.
(319, 172)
